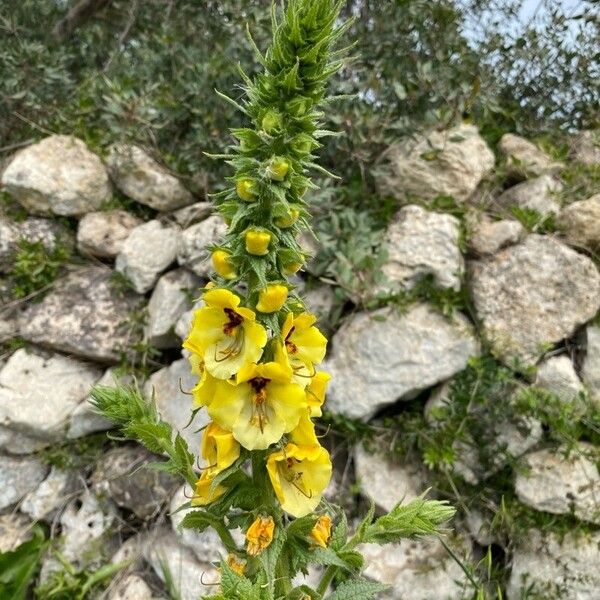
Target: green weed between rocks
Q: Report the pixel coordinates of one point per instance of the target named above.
(36, 267)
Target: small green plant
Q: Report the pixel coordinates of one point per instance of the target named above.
(76, 454)
(19, 567)
(36, 267)
(69, 583)
(533, 221)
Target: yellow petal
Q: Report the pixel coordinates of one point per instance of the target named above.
(315, 393)
(221, 298)
(205, 390)
(288, 401)
(229, 400)
(207, 328)
(203, 494)
(310, 343)
(304, 433)
(219, 447)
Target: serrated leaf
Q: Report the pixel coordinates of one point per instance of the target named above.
(357, 589)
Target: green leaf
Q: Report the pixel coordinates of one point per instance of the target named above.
(357, 589)
(19, 567)
(417, 518)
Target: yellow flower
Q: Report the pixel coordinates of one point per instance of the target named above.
(222, 264)
(299, 475)
(219, 448)
(315, 393)
(303, 345)
(321, 532)
(204, 493)
(257, 242)
(260, 535)
(289, 219)
(225, 335)
(236, 564)
(261, 407)
(278, 168)
(272, 298)
(246, 189)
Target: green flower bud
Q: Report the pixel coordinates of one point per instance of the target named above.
(278, 168)
(271, 121)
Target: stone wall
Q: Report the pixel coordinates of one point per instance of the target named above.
(132, 282)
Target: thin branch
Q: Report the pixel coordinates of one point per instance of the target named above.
(79, 14)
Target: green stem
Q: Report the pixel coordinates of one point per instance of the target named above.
(326, 580)
(225, 536)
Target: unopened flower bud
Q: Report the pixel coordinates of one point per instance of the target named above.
(278, 168)
(272, 298)
(289, 219)
(257, 242)
(222, 264)
(246, 189)
(271, 121)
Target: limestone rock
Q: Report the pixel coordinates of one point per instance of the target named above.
(131, 587)
(557, 376)
(189, 215)
(591, 363)
(537, 194)
(420, 243)
(85, 522)
(448, 163)
(525, 159)
(387, 482)
(15, 529)
(206, 545)
(51, 495)
(103, 233)
(8, 330)
(38, 395)
(558, 483)
(384, 356)
(18, 476)
(490, 236)
(16, 442)
(319, 301)
(8, 243)
(580, 222)
(148, 250)
(123, 474)
(85, 419)
(191, 578)
(533, 294)
(59, 176)
(83, 314)
(174, 406)
(140, 177)
(585, 148)
(170, 299)
(549, 566)
(417, 570)
(193, 252)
